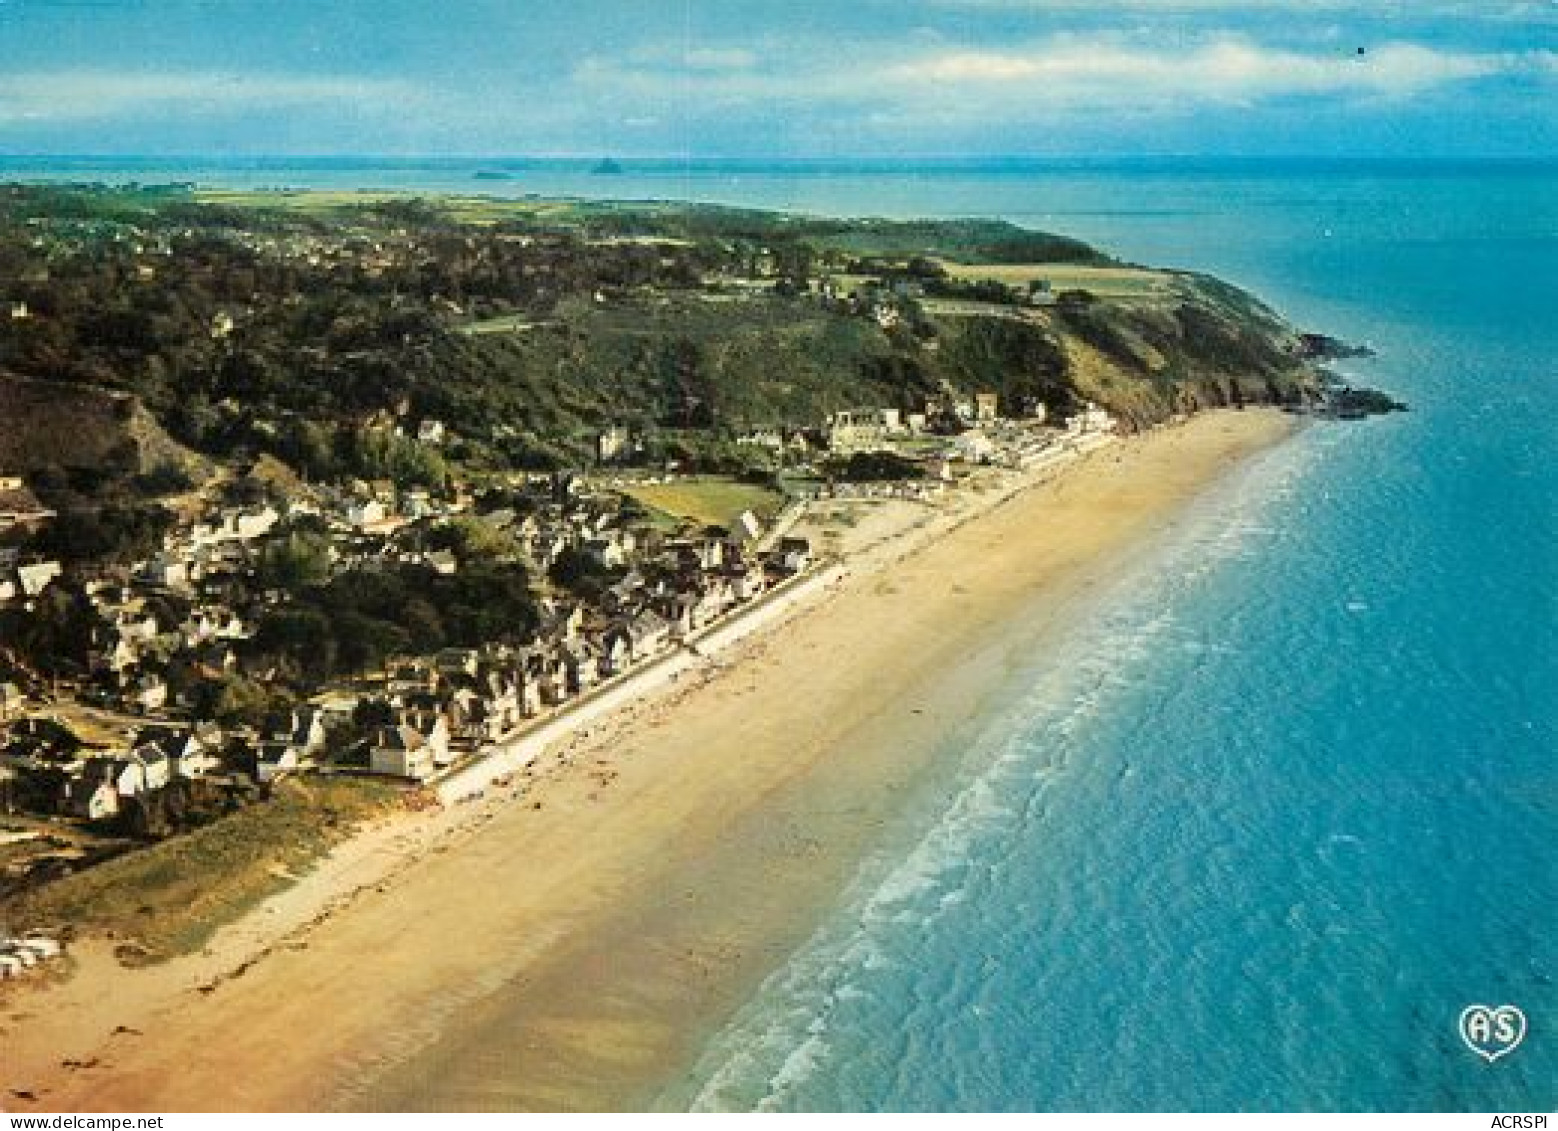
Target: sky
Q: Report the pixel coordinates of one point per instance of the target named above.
(780, 78)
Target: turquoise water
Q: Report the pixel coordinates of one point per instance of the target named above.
(1253, 835)
(1264, 826)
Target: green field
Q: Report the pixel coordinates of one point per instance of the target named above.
(464, 209)
(1105, 282)
(707, 502)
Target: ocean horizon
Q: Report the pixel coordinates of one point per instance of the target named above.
(1253, 836)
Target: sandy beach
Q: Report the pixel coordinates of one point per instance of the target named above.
(567, 943)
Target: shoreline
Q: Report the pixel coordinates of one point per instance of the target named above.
(568, 950)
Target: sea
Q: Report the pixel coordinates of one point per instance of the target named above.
(1255, 831)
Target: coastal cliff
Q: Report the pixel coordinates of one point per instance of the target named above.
(288, 324)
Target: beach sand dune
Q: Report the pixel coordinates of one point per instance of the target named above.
(572, 948)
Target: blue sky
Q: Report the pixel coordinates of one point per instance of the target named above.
(779, 77)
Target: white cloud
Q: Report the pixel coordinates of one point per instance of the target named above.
(721, 59)
(89, 95)
(1099, 71)
(711, 59)
(1222, 70)
(1498, 10)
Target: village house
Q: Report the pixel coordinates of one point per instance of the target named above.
(563, 620)
(745, 530)
(762, 438)
(747, 582)
(499, 695)
(306, 732)
(402, 752)
(862, 430)
(147, 693)
(612, 444)
(411, 678)
(458, 663)
(433, 726)
(91, 796)
(167, 571)
(35, 578)
(367, 514)
(274, 760)
(19, 507)
(128, 774)
(478, 716)
(294, 744)
(578, 666)
(549, 675)
(974, 447)
(113, 651)
(12, 702)
(1091, 419)
(616, 654)
(527, 693)
(793, 555)
(190, 755)
(691, 610)
(647, 634)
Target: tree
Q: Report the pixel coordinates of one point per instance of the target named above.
(56, 634)
(234, 700)
(870, 466)
(303, 635)
(297, 561)
(366, 642)
(473, 540)
(116, 533)
(578, 572)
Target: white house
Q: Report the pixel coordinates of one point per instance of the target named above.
(150, 693)
(92, 797)
(401, 751)
(276, 759)
(11, 701)
(166, 570)
(192, 758)
(1092, 418)
(35, 578)
(306, 731)
(370, 512)
(975, 447)
(745, 529)
(648, 633)
(248, 524)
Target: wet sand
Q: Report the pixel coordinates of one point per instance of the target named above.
(571, 948)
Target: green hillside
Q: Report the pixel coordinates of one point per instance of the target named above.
(295, 324)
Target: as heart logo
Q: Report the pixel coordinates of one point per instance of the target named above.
(1492, 1031)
